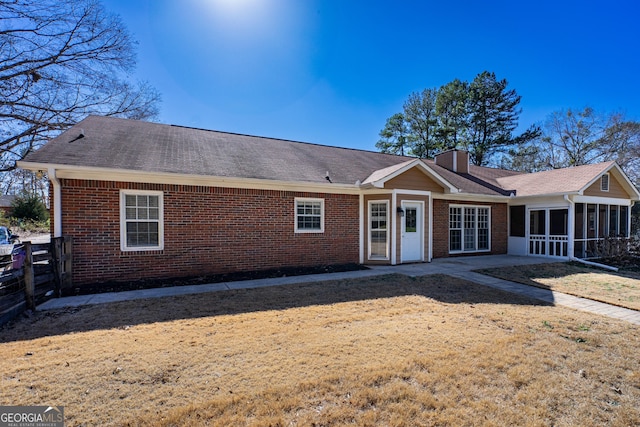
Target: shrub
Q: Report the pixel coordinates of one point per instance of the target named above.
(29, 208)
(618, 249)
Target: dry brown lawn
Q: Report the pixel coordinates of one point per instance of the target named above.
(622, 288)
(390, 350)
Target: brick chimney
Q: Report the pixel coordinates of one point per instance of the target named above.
(454, 160)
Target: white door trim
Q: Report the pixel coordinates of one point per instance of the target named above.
(420, 229)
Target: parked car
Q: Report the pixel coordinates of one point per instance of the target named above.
(8, 242)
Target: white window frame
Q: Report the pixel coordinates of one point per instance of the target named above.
(602, 182)
(371, 229)
(123, 221)
(296, 214)
(475, 230)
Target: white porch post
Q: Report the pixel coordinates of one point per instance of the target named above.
(394, 221)
(571, 225)
(362, 228)
(430, 255)
(629, 219)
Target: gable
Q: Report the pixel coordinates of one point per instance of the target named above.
(616, 190)
(414, 179)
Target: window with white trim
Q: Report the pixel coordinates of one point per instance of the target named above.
(469, 228)
(141, 220)
(378, 230)
(604, 182)
(309, 215)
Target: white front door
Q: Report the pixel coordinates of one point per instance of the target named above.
(412, 241)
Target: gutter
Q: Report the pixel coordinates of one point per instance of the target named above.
(57, 202)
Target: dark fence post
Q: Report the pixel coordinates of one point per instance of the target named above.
(29, 278)
(67, 281)
(62, 262)
(56, 261)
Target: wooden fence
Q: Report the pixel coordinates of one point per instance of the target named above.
(34, 272)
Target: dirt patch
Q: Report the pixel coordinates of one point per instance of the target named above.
(626, 265)
(113, 286)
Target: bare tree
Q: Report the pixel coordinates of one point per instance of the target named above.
(59, 62)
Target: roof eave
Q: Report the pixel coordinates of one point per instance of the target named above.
(112, 174)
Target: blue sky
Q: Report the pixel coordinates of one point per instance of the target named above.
(331, 72)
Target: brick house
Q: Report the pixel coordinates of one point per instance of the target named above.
(147, 200)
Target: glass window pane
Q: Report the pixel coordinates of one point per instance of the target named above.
(308, 215)
(483, 239)
(469, 239)
(154, 213)
(411, 220)
(142, 220)
(379, 243)
(455, 240)
(131, 213)
(455, 217)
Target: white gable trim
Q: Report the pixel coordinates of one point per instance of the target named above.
(379, 183)
(619, 175)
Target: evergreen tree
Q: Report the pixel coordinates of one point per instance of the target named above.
(394, 137)
(420, 115)
(493, 116)
(479, 117)
(453, 114)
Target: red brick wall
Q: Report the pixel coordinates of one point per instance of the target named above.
(207, 230)
(441, 227)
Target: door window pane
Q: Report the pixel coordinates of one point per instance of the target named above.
(411, 220)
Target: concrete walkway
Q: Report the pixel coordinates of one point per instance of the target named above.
(457, 267)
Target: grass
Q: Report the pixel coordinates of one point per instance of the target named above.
(388, 350)
(621, 289)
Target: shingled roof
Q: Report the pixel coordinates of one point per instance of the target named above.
(113, 143)
(109, 143)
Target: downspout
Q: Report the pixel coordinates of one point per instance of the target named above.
(57, 203)
(570, 247)
(593, 264)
